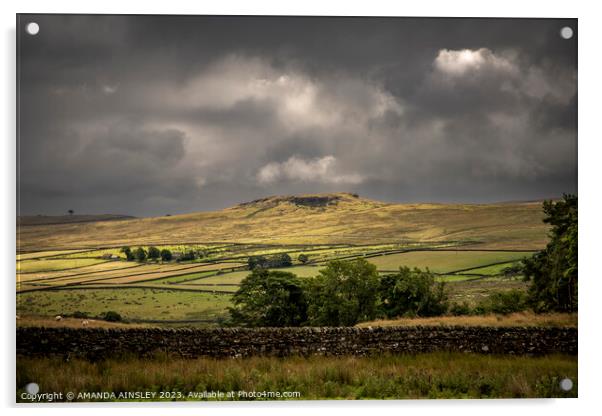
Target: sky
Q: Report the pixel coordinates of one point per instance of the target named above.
(155, 115)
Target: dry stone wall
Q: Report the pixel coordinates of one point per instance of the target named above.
(98, 343)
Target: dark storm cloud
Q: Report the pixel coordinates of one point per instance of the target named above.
(150, 115)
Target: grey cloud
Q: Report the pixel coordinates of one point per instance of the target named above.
(148, 115)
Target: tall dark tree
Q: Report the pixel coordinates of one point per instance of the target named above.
(269, 298)
(153, 253)
(553, 271)
(166, 255)
(71, 212)
(140, 254)
(128, 253)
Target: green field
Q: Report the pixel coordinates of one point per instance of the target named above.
(424, 376)
(39, 265)
(444, 261)
(186, 291)
(132, 303)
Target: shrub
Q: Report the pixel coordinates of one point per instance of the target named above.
(188, 256)
(303, 258)
(503, 302)
(80, 315)
(111, 316)
(267, 262)
(458, 309)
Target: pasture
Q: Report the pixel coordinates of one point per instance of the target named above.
(136, 304)
(61, 283)
(444, 261)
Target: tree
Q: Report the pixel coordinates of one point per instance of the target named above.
(71, 212)
(140, 254)
(129, 256)
(166, 255)
(280, 260)
(188, 256)
(344, 293)
(303, 258)
(412, 293)
(153, 253)
(269, 298)
(553, 271)
(255, 262)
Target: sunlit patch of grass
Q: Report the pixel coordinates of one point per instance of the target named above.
(514, 319)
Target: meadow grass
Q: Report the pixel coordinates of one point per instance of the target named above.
(41, 265)
(422, 376)
(492, 270)
(515, 319)
(476, 290)
(351, 221)
(130, 303)
(444, 261)
(43, 254)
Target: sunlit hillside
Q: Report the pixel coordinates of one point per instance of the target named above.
(315, 219)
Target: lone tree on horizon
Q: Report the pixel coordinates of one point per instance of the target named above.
(70, 212)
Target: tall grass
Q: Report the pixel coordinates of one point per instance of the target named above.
(433, 375)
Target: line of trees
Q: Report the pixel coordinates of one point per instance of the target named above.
(141, 255)
(343, 294)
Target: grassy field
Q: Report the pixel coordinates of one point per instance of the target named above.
(346, 220)
(131, 303)
(40, 265)
(93, 285)
(514, 319)
(444, 261)
(433, 375)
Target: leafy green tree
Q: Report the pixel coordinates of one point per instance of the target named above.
(412, 293)
(553, 271)
(166, 255)
(303, 258)
(129, 256)
(153, 253)
(140, 254)
(344, 293)
(269, 298)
